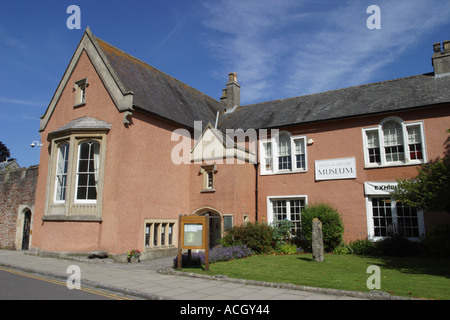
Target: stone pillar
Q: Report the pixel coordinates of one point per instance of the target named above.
(317, 240)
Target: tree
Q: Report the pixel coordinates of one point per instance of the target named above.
(430, 189)
(4, 152)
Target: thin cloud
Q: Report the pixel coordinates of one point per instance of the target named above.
(22, 102)
(289, 48)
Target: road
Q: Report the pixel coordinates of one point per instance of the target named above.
(18, 285)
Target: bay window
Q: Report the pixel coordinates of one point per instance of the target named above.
(76, 171)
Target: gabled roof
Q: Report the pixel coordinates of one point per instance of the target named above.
(159, 93)
(135, 85)
(381, 97)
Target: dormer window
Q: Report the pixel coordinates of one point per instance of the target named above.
(80, 92)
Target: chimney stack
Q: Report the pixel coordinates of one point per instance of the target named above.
(231, 96)
(441, 59)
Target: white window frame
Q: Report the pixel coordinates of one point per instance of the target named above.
(96, 172)
(370, 223)
(381, 144)
(65, 174)
(80, 92)
(271, 199)
(273, 156)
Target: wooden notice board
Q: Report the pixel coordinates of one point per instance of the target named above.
(193, 234)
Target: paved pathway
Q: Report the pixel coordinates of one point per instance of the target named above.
(144, 280)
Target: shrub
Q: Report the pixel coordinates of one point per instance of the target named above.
(362, 247)
(332, 226)
(342, 249)
(282, 231)
(397, 247)
(221, 253)
(258, 237)
(287, 249)
(437, 241)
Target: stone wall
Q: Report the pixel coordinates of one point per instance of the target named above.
(17, 193)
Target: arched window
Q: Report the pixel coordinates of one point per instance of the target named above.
(87, 171)
(394, 142)
(284, 152)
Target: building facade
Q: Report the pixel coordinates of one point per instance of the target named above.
(127, 149)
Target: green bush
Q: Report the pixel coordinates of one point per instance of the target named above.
(259, 237)
(437, 241)
(282, 231)
(287, 248)
(397, 247)
(332, 226)
(362, 247)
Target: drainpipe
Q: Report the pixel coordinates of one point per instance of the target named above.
(256, 189)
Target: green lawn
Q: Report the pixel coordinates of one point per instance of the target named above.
(401, 276)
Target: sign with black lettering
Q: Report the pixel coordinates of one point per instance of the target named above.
(380, 188)
(334, 169)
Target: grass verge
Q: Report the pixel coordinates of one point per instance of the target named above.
(401, 276)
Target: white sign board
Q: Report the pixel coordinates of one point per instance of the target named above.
(334, 169)
(381, 188)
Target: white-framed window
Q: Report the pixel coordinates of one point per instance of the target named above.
(61, 172)
(87, 171)
(286, 208)
(208, 172)
(80, 92)
(387, 217)
(394, 142)
(283, 153)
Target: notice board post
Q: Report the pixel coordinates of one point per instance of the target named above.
(193, 233)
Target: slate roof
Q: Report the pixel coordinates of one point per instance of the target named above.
(84, 123)
(164, 96)
(159, 93)
(381, 97)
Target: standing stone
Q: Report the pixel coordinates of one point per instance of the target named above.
(317, 240)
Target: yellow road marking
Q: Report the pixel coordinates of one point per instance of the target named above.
(61, 283)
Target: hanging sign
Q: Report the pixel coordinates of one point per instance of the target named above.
(334, 169)
(381, 188)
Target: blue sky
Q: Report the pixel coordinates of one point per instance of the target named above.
(279, 48)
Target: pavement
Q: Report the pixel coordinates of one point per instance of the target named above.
(156, 280)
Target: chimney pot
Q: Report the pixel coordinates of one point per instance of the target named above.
(441, 59)
(231, 96)
(437, 47)
(446, 45)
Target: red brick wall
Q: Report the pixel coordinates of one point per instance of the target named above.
(17, 187)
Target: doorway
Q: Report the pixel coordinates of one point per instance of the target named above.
(26, 230)
(215, 226)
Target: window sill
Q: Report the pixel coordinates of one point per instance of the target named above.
(396, 164)
(79, 105)
(208, 191)
(282, 172)
(72, 218)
